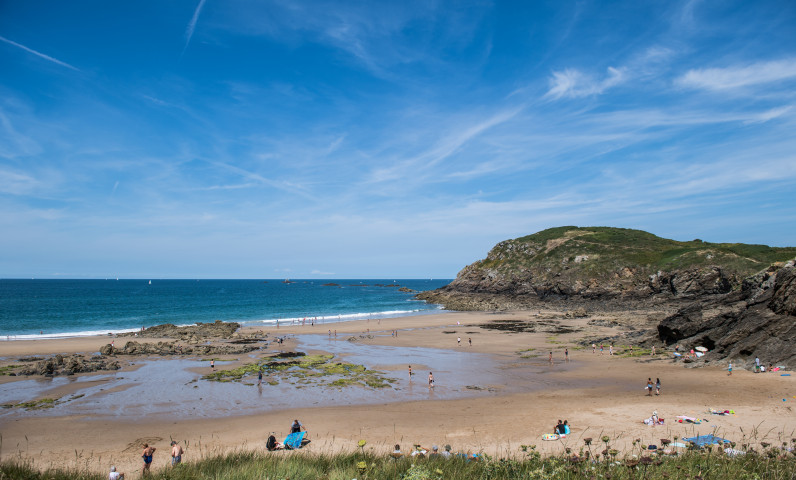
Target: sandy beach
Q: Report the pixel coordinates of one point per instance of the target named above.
(492, 396)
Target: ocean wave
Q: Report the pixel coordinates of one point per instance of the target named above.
(337, 318)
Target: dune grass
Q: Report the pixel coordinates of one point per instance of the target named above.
(772, 463)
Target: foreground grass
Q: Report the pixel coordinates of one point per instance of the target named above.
(772, 464)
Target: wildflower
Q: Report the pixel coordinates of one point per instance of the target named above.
(362, 443)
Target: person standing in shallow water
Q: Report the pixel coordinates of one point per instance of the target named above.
(430, 380)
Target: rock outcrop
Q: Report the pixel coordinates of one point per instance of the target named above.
(69, 365)
(198, 332)
(757, 321)
(609, 266)
(175, 348)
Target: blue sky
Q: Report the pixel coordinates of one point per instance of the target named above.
(258, 139)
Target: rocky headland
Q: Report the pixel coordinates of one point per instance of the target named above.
(738, 300)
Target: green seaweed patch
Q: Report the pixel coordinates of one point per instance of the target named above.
(37, 404)
(303, 370)
(7, 369)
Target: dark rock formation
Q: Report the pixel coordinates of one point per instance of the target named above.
(200, 331)
(175, 348)
(69, 365)
(757, 321)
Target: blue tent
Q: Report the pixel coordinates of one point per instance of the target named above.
(703, 440)
(293, 440)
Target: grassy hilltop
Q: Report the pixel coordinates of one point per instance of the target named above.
(604, 263)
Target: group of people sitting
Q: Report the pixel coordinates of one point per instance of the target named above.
(421, 452)
(273, 444)
(562, 428)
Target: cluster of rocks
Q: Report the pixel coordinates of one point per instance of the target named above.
(175, 348)
(191, 333)
(757, 321)
(69, 365)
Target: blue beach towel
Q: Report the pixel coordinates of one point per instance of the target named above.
(293, 441)
(702, 440)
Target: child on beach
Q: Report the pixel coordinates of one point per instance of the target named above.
(430, 380)
(657, 386)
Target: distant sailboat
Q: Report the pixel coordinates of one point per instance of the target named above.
(150, 282)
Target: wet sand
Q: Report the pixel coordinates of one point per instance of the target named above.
(515, 395)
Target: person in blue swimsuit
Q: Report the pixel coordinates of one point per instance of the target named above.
(147, 455)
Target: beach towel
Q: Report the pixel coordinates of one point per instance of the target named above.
(702, 440)
(550, 436)
(293, 440)
(687, 419)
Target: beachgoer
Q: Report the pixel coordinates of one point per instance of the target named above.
(631, 350)
(551, 358)
(655, 419)
(566, 354)
(593, 348)
(296, 427)
(213, 364)
(657, 386)
(649, 387)
(770, 367)
(147, 455)
(419, 451)
(653, 351)
(114, 475)
(176, 453)
(559, 428)
(602, 349)
(470, 341)
(611, 349)
(430, 380)
(458, 341)
(566, 427)
(270, 444)
(729, 370)
(260, 377)
(330, 333)
(447, 452)
(434, 451)
(410, 373)
(397, 450)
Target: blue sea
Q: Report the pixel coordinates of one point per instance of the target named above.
(64, 308)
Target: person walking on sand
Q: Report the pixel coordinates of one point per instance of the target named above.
(430, 380)
(566, 355)
(649, 387)
(611, 349)
(176, 454)
(470, 341)
(602, 349)
(593, 348)
(212, 364)
(147, 455)
(458, 341)
(729, 370)
(657, 386)
(551, 358)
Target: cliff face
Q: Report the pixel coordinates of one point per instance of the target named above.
(757, 321)
(606, 264)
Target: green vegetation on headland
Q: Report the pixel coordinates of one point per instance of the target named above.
(304, 370)
(771, 464)
(598, 250)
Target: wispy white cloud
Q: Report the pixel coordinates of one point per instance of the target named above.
(39, 54)
(192, 24)
(739, 76)
(573, 83)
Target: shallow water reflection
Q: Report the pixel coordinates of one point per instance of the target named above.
(169, 387)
